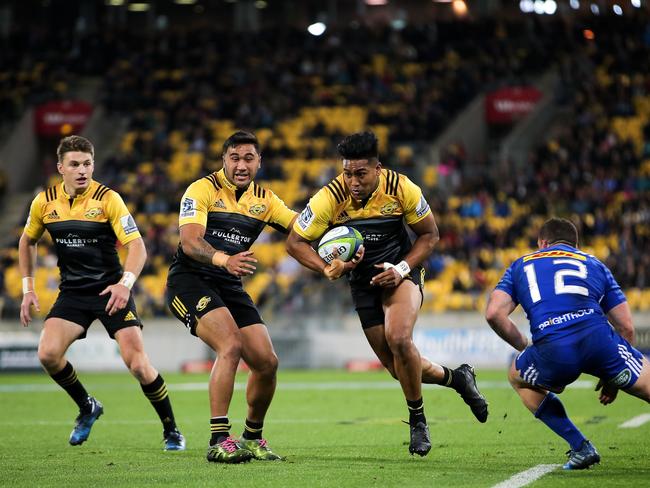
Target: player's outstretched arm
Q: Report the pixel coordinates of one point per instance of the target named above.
(27, 267)
(133, 264)
(497, 313)
(196, 247)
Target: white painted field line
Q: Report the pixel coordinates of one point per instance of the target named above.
(637, 421)
(289, 386)
(527, 477)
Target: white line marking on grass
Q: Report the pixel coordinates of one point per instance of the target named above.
(637, 421)
(289, 386)
(527, 477)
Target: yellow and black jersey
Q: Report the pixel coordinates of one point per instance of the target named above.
(232, 218)
(85, 230)
(380, 219)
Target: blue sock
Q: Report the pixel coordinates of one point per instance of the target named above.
(552, 413)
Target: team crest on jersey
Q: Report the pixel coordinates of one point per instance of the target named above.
(257, 209)
(203, 302)
(219, 204)
(622, 378)
(389, 208)
(93, 213)
(53, 215)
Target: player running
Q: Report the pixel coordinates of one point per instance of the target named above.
(386, 276)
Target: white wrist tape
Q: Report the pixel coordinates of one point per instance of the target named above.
(128, 279)
(402, 268)
(28, 284)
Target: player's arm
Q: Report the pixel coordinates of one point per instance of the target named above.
(499, 307)
(620, 317)
(428, 235)
(34, 229)
(27, 267)
(136, 255)
(195, 246)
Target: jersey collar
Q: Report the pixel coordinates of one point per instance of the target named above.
(92, 186)
(221, 176)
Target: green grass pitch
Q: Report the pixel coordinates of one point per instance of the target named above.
(335, 428)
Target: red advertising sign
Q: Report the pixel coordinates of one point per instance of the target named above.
(507, 105)
(61, 117)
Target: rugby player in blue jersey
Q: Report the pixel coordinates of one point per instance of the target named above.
(570, 299)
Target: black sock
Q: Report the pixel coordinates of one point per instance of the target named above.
(67, 379)
(220, 429)
(452, 381)
(156, 392)
(416, 411)
(253, 430)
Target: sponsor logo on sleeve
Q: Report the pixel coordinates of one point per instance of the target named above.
(188, 207)
(306, 218)
(422, 208)
(128, 224)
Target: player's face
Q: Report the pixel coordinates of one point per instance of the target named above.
(361, 176)
(240, 164)
(77, 171)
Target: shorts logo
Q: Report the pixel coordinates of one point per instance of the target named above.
(422, 208)
(203, 302)
(93, 213)
(130, 316)
(257, 209)
(306, 218)
(389, 208)
(128, 224)
(188, 207)
(622, 378)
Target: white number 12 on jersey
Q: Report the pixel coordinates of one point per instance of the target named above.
(560, 287)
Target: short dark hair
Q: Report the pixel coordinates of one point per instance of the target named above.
(557, 230)
(74, 143)
(361, 145)
(238, 138)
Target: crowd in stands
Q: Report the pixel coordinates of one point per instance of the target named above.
(185, 92)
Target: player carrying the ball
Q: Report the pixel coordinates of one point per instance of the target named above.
(386, 274)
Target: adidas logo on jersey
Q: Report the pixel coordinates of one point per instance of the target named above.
(53, 215)
(130, 316)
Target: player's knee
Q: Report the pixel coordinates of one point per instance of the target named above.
(231, 351)
(268, 367)
(399, 343)
(48, 357)
(138, 365)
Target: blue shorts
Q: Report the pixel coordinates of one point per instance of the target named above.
(600, 352)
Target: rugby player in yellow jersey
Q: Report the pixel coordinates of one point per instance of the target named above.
(386, 275)
(85, 219)
(221, 215)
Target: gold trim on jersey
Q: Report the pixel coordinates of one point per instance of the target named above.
(555, 254)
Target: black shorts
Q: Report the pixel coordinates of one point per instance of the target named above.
(84, 309)
(190, 297)
(369, 300)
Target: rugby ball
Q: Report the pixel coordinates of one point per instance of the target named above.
(344, 240)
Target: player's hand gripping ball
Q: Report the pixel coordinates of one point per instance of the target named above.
(340, 242)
